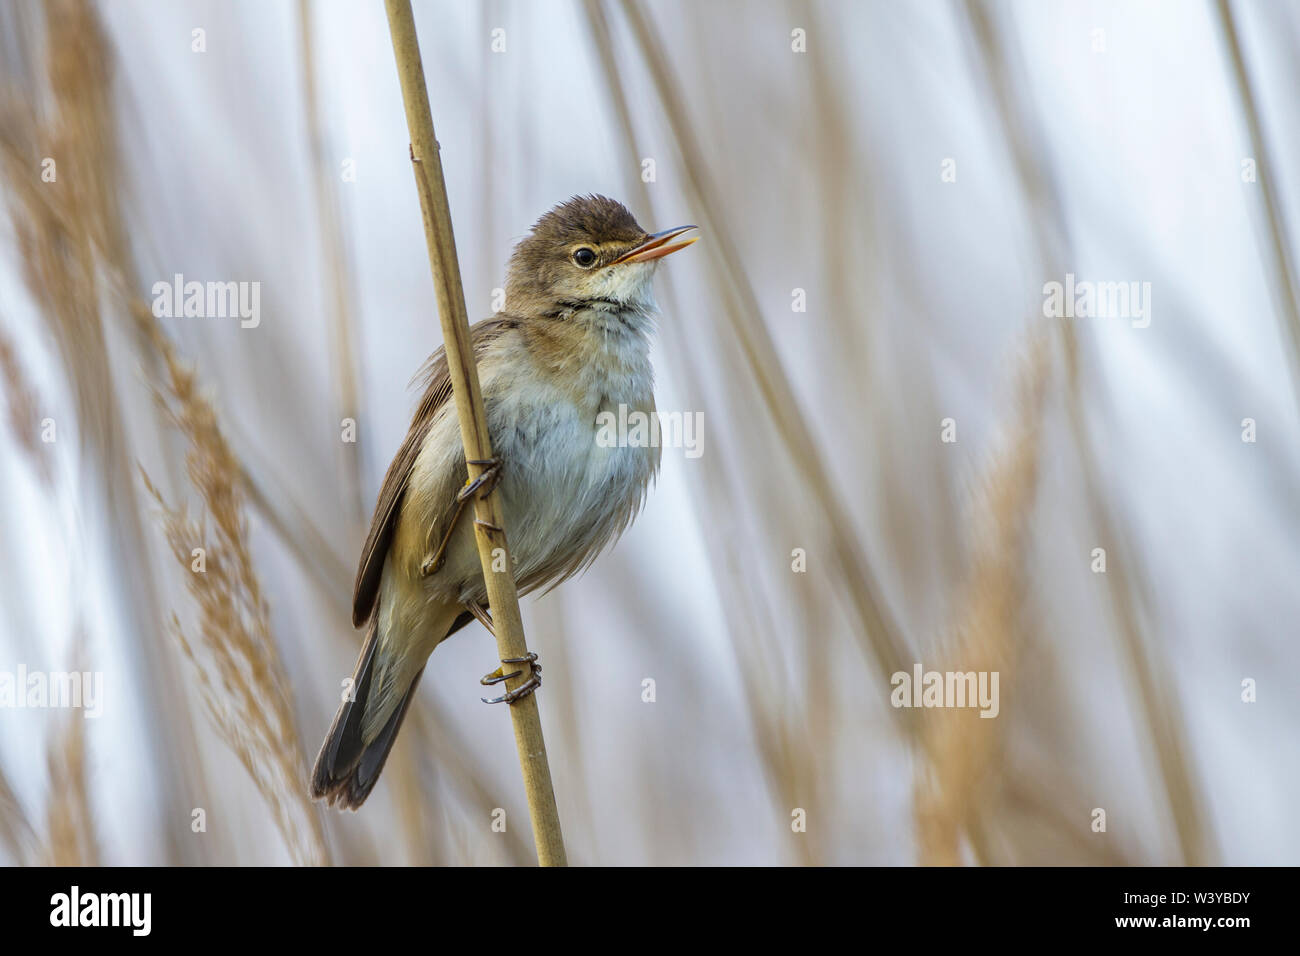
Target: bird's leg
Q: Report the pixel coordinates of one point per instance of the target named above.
(433, 562)
(485, 482)
(481, 615)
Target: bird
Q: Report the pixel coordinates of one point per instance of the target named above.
(572, 341)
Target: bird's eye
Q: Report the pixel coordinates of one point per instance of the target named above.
(584, 257)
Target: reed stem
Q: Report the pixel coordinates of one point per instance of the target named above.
(489, 526)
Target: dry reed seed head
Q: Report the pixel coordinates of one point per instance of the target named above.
(69, 238)
(70, 838)
(16, 832)
(962, 749)
(24, 404)
(241, 678)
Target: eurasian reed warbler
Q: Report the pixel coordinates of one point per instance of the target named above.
(572, 341)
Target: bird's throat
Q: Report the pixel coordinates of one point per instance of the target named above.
(596, 351)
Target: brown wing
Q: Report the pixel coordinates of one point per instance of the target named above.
(437, 391)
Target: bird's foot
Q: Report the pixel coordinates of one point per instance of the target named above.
(485, 481)
(523, 690)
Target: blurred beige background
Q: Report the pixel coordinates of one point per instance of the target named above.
(912, 175)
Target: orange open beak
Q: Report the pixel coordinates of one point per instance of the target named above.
(657, 246)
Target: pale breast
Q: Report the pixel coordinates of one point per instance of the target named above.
(568, 489)
(565, 493)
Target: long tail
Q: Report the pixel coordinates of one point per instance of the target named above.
(348, 764)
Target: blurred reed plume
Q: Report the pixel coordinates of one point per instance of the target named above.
(16, 833)
(70, 838)
(236, 663)
(71, 239)
(70, 833)
(1148, 668)
(66, 221)
(24, 416)
(960, 747)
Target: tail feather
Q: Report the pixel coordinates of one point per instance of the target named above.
(348, 765)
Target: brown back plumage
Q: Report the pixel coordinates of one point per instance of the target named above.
(437, 391)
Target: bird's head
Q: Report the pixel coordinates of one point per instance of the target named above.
(587, 252)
